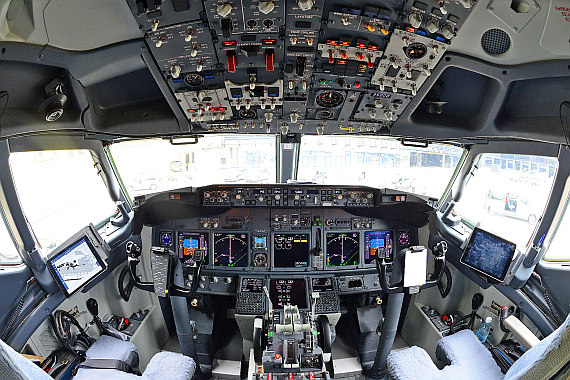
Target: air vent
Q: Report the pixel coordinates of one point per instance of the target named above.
(496, 42)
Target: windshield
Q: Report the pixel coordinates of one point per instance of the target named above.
(378, 162)
(148, 166)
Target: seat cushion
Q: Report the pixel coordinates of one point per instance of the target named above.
(412, 363)
(468, 357)
(169, 365)
(15, 366)
(107, 374)
(108, 347)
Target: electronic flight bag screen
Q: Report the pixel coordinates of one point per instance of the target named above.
(75, 265)
(291, 250)
(488, 254)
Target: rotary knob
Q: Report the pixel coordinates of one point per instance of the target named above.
(447, 31)
(305, 5)
(266, 7)
(432, 25)
(201, 95)
(415, 19)
(466, 3)
(224, 9)
(372, 113)
(378, 103)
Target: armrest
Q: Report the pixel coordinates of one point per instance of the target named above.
(521, 332)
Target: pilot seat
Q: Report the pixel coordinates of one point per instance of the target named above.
(469, 359)
(103, 360)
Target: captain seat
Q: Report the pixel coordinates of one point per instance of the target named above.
(470, 359)
(100, 364)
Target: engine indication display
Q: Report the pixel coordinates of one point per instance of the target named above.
(188, 243)
(288, 292)
(291, 250)
(231, 249)
(378, 244)
(342, 249)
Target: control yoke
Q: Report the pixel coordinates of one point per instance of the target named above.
(388, 271)
(162, 262)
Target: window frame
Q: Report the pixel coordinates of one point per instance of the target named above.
(565, 212)
(4, 221)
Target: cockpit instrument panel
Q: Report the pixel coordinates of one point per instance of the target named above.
(289, 196)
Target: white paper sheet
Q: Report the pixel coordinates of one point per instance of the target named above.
(415, 267)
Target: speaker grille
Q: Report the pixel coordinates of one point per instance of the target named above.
(496, 41)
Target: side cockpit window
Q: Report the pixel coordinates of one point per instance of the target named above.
(60, 192)
(507, 195)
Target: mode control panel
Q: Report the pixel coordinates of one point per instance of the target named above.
(317, 196)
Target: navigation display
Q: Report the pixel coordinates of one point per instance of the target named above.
(188, 243)
(322, 284)
(488, 254)
(231, 249)
(342, 249)
(288, 292)
(378, 244)
(252, 285)
(291, 250)
(76, 265)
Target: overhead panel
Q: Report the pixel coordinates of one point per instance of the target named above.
(302, 66)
